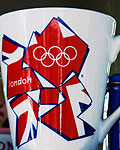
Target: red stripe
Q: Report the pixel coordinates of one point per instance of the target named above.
(8, 47)
(19, 100)
(22, 121)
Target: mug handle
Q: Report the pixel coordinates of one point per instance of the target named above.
(105, 125)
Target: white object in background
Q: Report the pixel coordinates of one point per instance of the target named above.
(105, 142)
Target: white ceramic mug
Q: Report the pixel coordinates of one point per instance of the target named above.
(55, 66)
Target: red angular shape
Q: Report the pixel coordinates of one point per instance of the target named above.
(61, 118)
(22, 121)
(35, 108)
(61, 54)
(19, 80)
(49, 96)
(8, 47)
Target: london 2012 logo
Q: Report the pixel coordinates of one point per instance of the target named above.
(43, 85)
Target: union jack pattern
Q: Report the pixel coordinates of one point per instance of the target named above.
(43, 83)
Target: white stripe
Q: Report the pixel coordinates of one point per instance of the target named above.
(76, 96)
(15, 56)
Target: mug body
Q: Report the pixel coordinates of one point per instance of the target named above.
(55, 68)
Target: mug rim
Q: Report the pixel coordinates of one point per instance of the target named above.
(60, 8)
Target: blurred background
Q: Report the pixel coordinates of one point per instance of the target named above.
(110, 7)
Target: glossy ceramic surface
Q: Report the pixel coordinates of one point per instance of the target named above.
(55, 65)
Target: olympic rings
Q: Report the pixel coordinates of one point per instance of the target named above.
(41, 56)
(55, 58)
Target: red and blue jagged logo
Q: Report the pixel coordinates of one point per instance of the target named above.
(43, 84)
